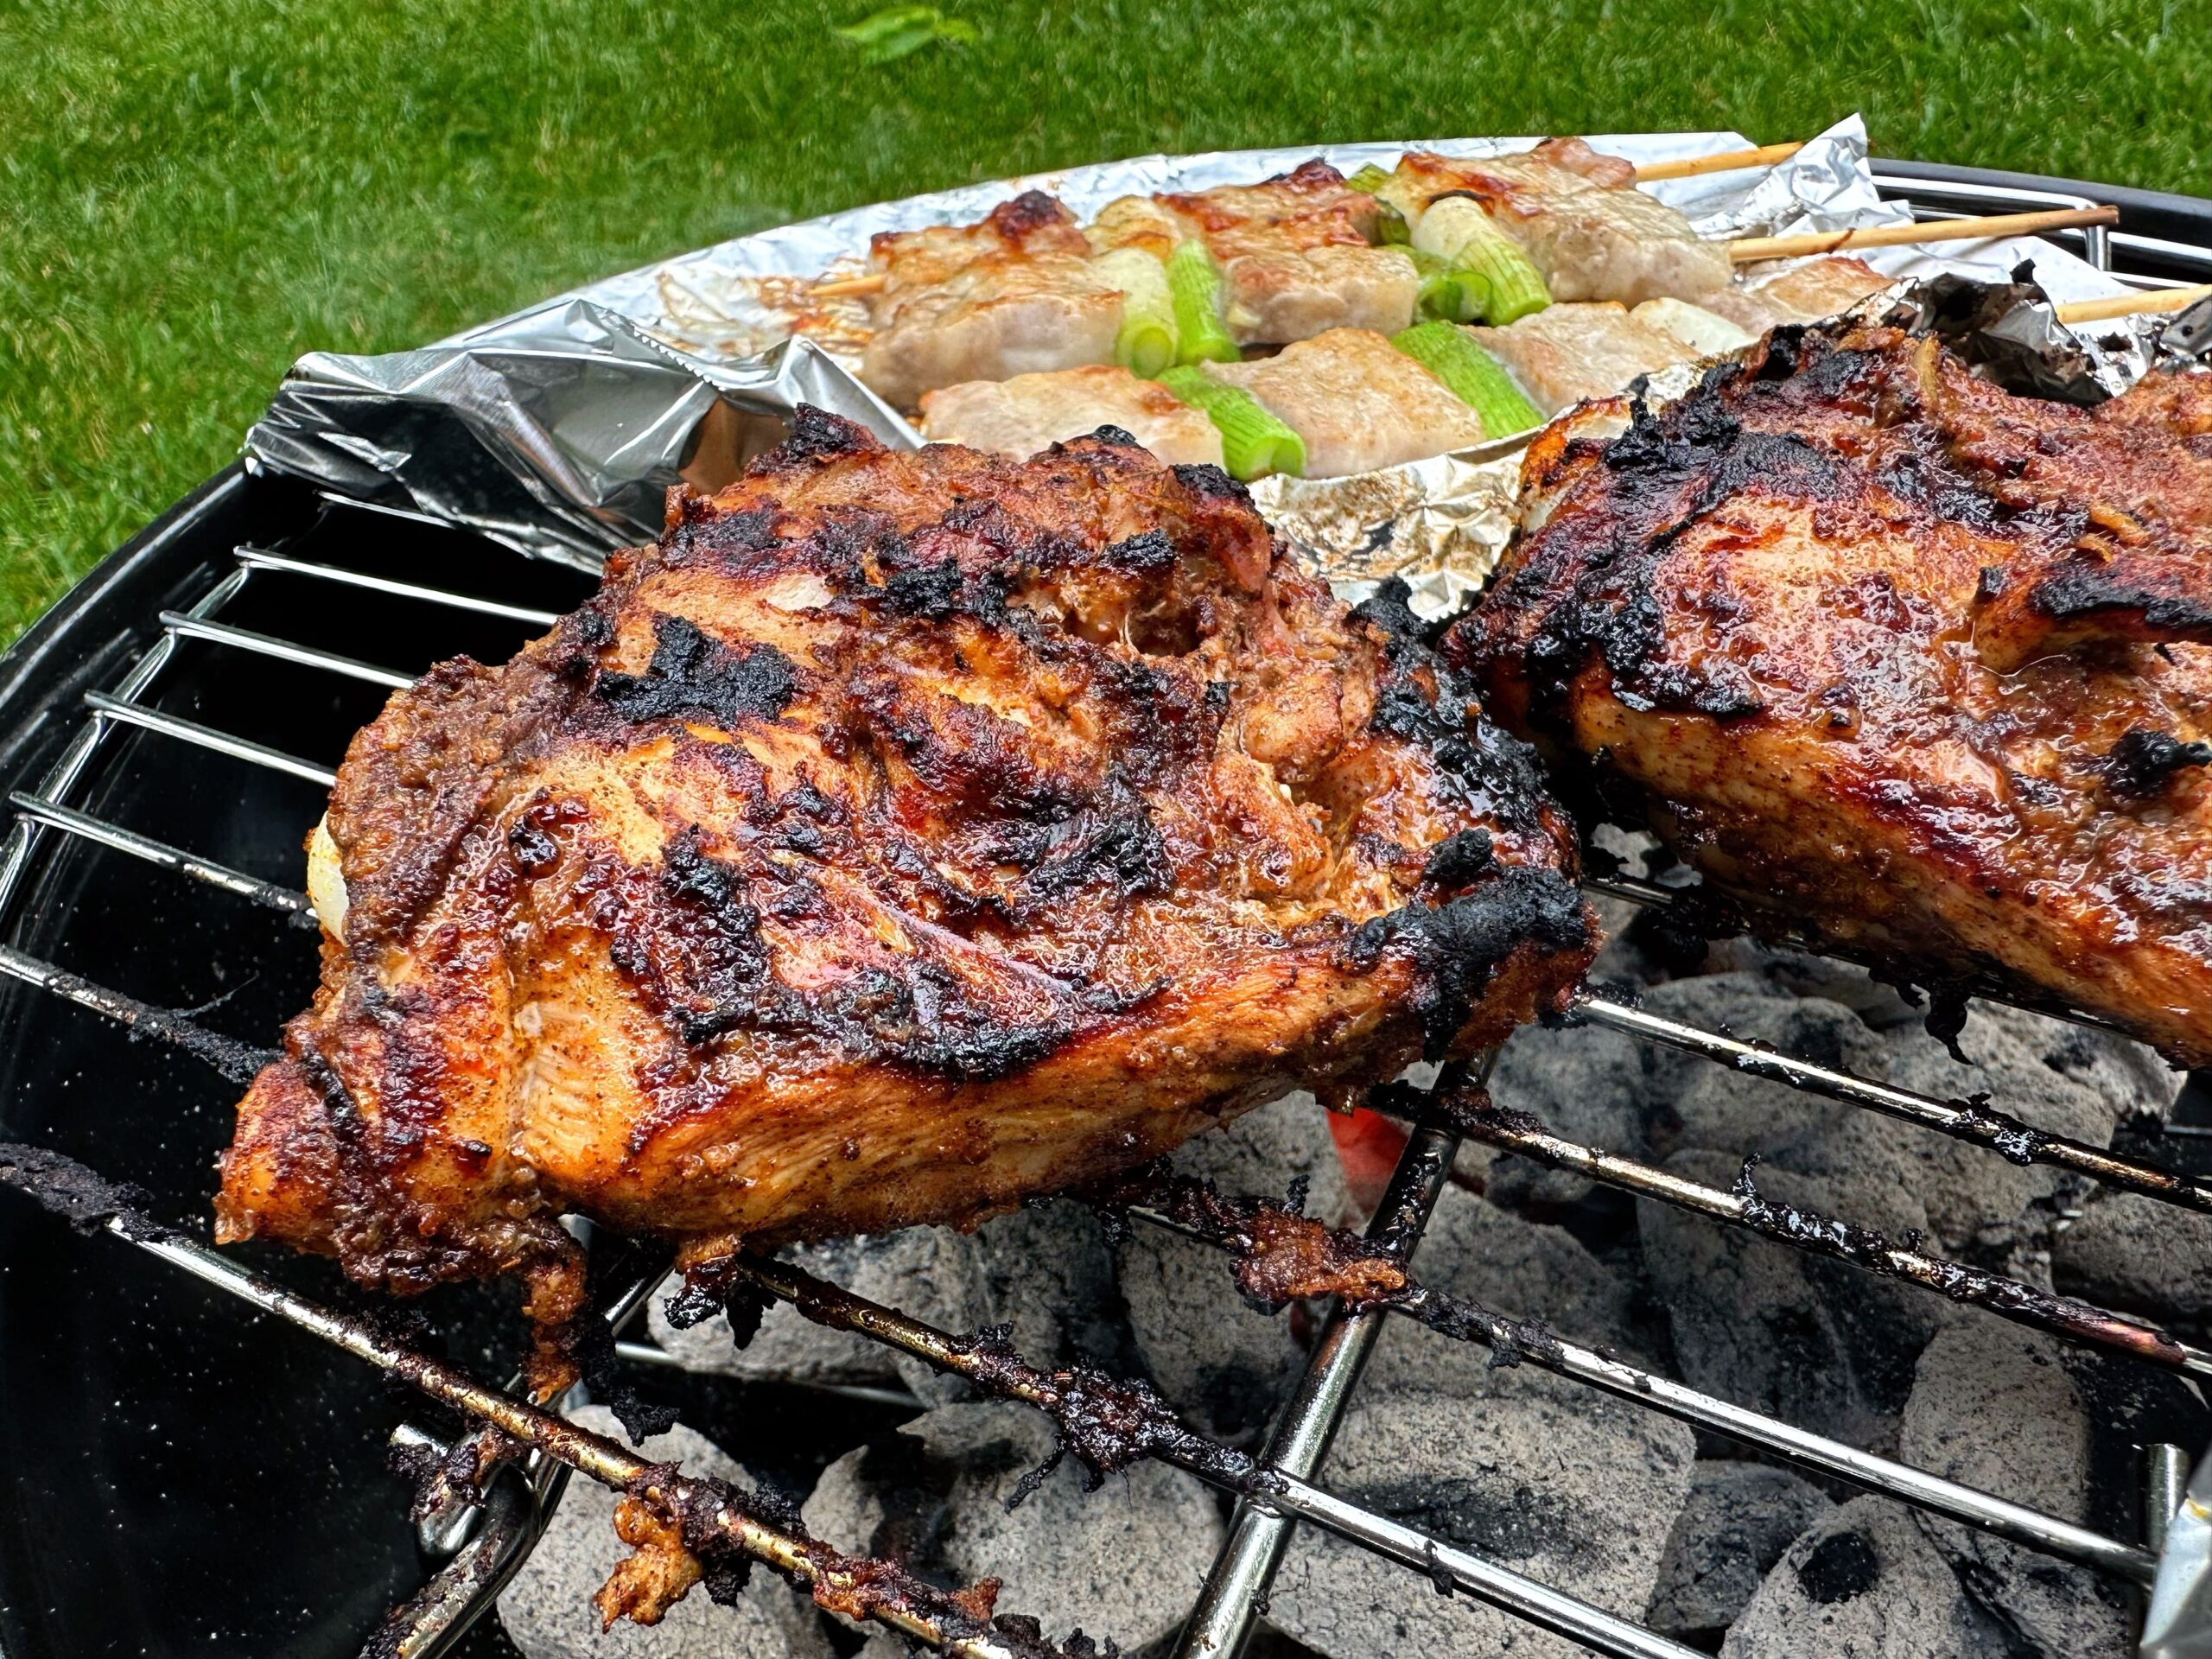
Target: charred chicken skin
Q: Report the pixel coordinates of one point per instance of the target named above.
(903, 835)
(1894, 657)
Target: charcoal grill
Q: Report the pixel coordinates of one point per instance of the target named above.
(192, 1476)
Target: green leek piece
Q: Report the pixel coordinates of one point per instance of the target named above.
(1390, 228)
(1447, 293)
(1146, 343)
(1194, 285)
(1457, 231)
(1449, 353)
(1253, 443)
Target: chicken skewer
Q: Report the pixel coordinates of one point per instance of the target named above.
(1197, 277)
(1346, 401)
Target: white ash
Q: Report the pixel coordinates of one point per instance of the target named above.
(1739, 1518)
(1818, 1344)
(1569, 1486)
(1864, 1583)
(1046, 1271)
(547, 1609)
(1125, 1561)
(1220, 1362)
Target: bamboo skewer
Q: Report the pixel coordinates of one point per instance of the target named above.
(872, 282)
(1939, 230)
(1730, 161)
(2130, 305)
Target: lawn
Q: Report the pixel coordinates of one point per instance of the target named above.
(194, 192)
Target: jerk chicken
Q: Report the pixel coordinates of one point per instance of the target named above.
(1895, 658)
(903, 835)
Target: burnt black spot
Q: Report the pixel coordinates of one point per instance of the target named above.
(818, 436)
(535, 851)
(1839, 1569)
(1116, 849)
(1121, 436)
(1388, 609)
(932, 592)
(2088, 588)
(692, 676)
(2143, 763)
(1456, 947)
(1149, 551)
(1458, 859)
(1204, 479)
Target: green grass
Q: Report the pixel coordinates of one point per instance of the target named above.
(194, 192)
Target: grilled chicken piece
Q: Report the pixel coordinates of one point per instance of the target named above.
(1896, 658)
(990, 320)
(1565, 353)
(1308, 207)
(1294, 253)
(1703, 331)
(1586, 225)
(1273, 299)
(903, 835)
(1356, 402)
(1812, 290)
(1018, 417)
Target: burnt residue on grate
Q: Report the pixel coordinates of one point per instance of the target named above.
(82, 1196)
(1284, 1256)
(1107, 1423)
(239, 1063)
(1472, 1113)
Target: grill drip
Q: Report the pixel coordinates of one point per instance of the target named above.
(447, 600)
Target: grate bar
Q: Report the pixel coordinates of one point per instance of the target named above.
(69, 765)
(2016, 1141)
(102, 832)
(2024, 1304)
(257, 558)
(594, 1455)
(207, 737)
(1271, 1488)
(1799, 1446)
(284, 650)
(1222, 1619)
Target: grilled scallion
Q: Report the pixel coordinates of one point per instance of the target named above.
(1447, 292)
(1390, 228)
(1194, 285)
(1253, 443)
(1446, 351)
(1459, 231)
(1146, 343)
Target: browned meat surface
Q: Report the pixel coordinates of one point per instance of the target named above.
(1584, 225)
(1897, 658)
(903, 835)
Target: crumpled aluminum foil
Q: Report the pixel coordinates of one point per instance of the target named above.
(558, 434)
(558, 431)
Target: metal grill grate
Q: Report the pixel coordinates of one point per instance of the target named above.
(486, 1547)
